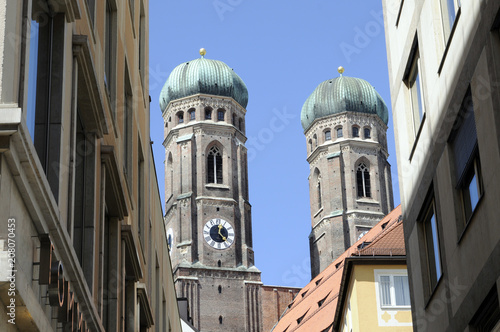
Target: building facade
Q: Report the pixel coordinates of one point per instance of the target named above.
(364, 289)
(208, 215)
(350, 187)
(82, 240)
(444, 70)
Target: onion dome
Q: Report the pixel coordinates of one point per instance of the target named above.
(206, 76)
(343, 94)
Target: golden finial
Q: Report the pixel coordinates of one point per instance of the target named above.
(340, 70)
(203, 52)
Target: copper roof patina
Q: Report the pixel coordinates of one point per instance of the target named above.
(343, 94)
(206, 76)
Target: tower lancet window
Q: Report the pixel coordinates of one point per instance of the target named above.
(328, 135)
(355, 131)
(367, 132)
(208, 114)
(220, 115)
(363, 180)
(214, 165)
(339, 132)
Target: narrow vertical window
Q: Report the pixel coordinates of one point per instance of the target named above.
(433, 258)
(367, 133)
(315, 138)
(414, 84)
(463, 142)
(240, 124)
(214, 165)
(140, 197)
(127, 124)
(192, 114)
(180, 117)
(234, 119)
(328, 135)
(449, 10)
(142, 43)
(220, 115)
(32, 77)
(208, 113)
(355, 131)
(339, 132)
(318, 186)
(363, 180)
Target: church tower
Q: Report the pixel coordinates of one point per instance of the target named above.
(208, 215)
(350, 187)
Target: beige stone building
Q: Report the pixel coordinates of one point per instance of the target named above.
(82, 240)
(444, 71)
(350, 186)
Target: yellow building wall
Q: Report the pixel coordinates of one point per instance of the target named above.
(361, 311)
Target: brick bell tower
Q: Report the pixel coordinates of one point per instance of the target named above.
(350, 186)
(208, 216)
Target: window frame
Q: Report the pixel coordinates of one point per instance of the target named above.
(219, 113)
(328, 135)
(215, 175)
(192, 114)
(355, 131)
(341, 132)
(428, 213)
(367, 130)
(180, 117)
(379, 273)
(365, 180)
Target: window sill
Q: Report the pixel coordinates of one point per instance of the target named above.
(450, 37)
(216, 186)
(367, 200)
(431, 294)
(415, 143)
(469, 221)
(396, 307)
(318, 212)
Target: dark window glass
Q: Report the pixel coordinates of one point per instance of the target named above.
(355, 132)
(214, 166)
(220, 115)
(432, 247)
(180, 117)
(192, 115)
(367, 133)
(328, 135)
(208, 114)
(339, 132)
(363, 181)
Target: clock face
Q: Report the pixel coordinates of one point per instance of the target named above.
(218, 233)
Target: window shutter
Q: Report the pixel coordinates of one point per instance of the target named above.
(465, 138)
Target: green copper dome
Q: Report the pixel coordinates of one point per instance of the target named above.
(202, 75)
(343, 94)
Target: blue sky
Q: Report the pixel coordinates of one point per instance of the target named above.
(282, 50)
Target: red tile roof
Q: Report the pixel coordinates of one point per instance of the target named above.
(305, 312)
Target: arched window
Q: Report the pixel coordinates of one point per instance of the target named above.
(192, 114)
(180, 117)
(367, 132)
(355, 131)
(311, 145)
(214, 165)
(316, 181)
(339, 132)
(363, 180)
(220, 114)
(234, 119)
(208, 113)
(328, 135)
(315, 140)
(240, 124)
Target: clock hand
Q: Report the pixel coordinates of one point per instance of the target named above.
(222, 236)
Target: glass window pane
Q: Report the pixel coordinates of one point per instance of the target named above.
(437, 259)
(385, 290)
(473, 192)
(339, 132)
(328, 135)
(402, 290)
(32, 78)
